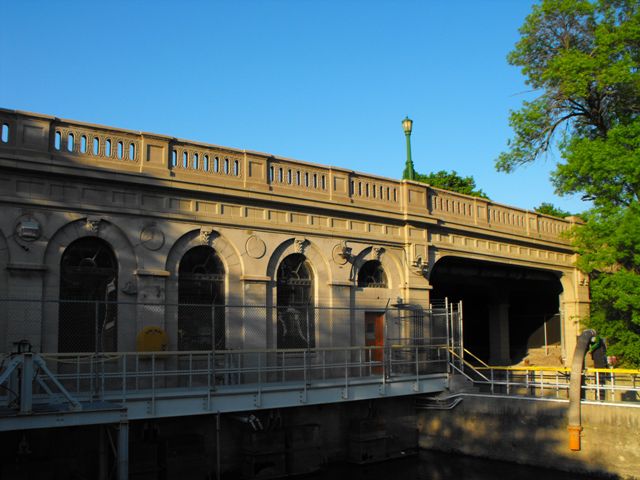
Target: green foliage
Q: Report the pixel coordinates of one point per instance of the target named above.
(609, 247)
(583, 56)
(452, 181)
(606, 170)
(550, 209)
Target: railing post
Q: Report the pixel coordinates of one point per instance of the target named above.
(492, 382)
(417, 369)
(26, 383)
(346, 374)
(304, 369)
(613, 386)
(124, 377)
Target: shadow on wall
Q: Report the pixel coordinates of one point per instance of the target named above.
(530, 433)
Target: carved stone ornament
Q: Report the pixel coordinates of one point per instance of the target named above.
(151, 237)
(583, 279)
(93, 224)
(205, 235)
(129, 288)
(28, 228)
(299, 245)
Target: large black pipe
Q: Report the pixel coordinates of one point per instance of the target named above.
(575, 387)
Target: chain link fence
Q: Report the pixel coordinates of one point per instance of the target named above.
(83, 326)
(100, 348)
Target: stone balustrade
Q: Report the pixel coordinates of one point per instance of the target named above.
(57, 142)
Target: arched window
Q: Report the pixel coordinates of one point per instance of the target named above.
(371, 275)
(88, 294)
(201, 319)
(295, 310)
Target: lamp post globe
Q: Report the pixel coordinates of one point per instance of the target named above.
(409, 172)
(407, 124)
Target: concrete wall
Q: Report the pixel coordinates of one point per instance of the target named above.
(535, 433)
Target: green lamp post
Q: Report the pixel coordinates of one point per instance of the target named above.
(409, 172)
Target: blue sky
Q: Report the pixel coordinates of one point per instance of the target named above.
(321, 81)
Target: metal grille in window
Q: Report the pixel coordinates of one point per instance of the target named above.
(295, 312)
(371, 275)
(201, 311)
(87, 315)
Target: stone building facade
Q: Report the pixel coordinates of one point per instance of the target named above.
(147, 223)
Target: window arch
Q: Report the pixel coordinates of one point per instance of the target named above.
(371, 275)
(201, 310)
(88, 310)
(295, 309)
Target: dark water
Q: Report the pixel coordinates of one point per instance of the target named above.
(442, 466)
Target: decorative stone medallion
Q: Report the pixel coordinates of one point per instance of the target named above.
(339, 254)
(28, 229)
(151, 237)
(255, 247)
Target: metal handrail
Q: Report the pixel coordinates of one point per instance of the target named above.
(540, 380)
(121, 374)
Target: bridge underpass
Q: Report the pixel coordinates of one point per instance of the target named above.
(508, 310)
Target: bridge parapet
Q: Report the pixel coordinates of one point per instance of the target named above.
(65, 143)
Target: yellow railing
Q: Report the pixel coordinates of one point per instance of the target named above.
(611, 384)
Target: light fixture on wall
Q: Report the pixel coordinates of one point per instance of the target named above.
(345, 250)
(342, 253)
(419, 266)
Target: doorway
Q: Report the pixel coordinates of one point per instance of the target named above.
(374, 337)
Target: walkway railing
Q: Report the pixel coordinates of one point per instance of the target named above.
(124, 377)
(599, 384)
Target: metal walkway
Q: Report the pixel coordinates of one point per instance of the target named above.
(62, 390)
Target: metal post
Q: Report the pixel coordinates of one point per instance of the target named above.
(546, 345)
(461, 323)
(153, 383)
(218, 449)
(446, 316)
(103, 463)
(26, 383)
(96, 380)
(123, 451)
(307, 317)
(95, 333)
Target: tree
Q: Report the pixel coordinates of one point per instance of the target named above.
(583, 56)
(550, 209)
(452, 181)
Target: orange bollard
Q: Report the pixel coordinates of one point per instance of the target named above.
(574, 437)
